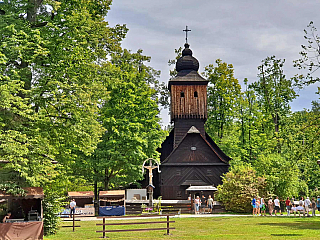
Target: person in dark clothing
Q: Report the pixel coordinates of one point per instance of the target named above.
(203, 204)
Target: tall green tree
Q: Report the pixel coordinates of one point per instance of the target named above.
(274, 92)
(51, 53)
(223, 94)
(130, 116)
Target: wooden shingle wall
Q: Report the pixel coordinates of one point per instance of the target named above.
(188, 106)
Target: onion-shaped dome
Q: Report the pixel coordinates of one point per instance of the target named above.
(187, 62)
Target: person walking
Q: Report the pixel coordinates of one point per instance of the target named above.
(270, 206)
(313, 207)
(288, 206)
(277, 206)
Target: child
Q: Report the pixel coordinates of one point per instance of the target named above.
(254, 208)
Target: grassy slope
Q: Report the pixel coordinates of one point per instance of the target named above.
(208, 228)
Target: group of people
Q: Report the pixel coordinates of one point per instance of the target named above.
(303, 206)
(203, 203)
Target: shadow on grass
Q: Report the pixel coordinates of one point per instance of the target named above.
(298, 225)
(286, 235)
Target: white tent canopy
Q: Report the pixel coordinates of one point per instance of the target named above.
(201, 188)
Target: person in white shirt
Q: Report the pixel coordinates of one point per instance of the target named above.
(294, 209)
(73, 205)
(277, 206)
(197, 203)
(307, 204)
(300, 208)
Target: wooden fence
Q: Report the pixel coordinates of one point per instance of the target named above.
(73, 221)
(167, 228)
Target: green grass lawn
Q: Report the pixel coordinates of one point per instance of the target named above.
(207, 228)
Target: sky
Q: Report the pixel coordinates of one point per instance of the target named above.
(241, 33)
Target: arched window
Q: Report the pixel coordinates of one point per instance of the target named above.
(195, 94)
(182, 94)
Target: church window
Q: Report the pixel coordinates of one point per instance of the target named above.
(209, 172)
(182, 94)
(178, 173)
(179, 195)
(195, 94)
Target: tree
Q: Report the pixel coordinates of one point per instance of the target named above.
(309, 57)
(130, 117)
(223, 92)
(281, 174)
(274, 92)
(51, 53)
(301, 144)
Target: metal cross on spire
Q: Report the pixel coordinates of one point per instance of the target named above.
(186, 30)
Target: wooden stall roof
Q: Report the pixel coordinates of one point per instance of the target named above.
(83, 194)
(31, 192)
(112, 193)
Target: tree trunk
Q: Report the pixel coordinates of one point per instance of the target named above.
(106, 180)
(33, 6)
(96, 197)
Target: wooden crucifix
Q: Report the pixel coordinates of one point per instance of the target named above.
(150, 167)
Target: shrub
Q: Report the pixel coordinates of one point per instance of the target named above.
(240, 185)
(51, 207)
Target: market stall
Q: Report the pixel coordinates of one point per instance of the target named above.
(25, 221)
(84, 203)
(27, 207)
(112, 203)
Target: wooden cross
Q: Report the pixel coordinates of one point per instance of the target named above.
(186, 30)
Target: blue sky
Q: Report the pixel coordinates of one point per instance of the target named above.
(241, 33)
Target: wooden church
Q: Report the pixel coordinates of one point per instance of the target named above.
(189, 157)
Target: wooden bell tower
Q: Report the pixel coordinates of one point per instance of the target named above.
(189, 157)
(188, 96)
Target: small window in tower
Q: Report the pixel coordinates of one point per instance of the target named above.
(195, 94)
(178, 173)
(182, 94)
